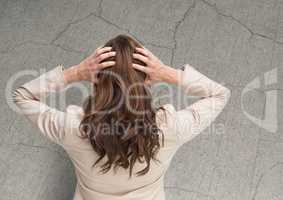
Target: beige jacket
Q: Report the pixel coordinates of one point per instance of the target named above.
(62, 128)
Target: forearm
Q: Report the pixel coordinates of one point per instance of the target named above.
(197, 84)
(193, 82)
(27, 97)
(196, 117)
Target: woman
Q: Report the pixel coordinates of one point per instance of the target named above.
(120, 145)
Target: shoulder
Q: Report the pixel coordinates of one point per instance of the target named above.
(165, 120)
(167, 112)
(73, 137)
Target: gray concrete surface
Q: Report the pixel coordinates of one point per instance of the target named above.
(232, 41)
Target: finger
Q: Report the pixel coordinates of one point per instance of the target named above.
(106, 64)
(144, 51)
(140, 57)
(95, 51)
(102, 57)
(102, 50)
(100, 47)
(147, 82)
(141, 68)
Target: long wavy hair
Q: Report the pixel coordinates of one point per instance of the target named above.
(119, 116)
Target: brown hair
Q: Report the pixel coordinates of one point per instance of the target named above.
(119, 117)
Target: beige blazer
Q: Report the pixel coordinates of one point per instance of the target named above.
(62, 128)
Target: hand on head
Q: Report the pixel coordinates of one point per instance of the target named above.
(155, 69)
(90, 66)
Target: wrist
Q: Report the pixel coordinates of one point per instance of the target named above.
(72, 74)
(171, 75)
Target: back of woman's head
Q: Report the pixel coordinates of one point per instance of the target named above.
(119, 117)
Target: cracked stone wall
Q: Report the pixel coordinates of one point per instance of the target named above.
(234, 42)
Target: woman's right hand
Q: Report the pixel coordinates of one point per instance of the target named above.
(155, 69)
(88, 69)
(90, 66)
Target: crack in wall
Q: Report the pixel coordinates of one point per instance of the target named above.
(257, 150)
(217, 10)
(3, 8)
(107, 21)
(68, 49)
(60, 34)
(73, 22)
(231, 17)
(261, 178)
(100, 8)
(111, 23)
(67, 26)
(174, 38)
(178, 24)
(253, 195)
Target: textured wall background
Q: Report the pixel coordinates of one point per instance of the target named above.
(231, 41)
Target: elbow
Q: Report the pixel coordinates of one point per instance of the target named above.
(226, 95)
(18, 100)
(16, 97)
(15, 100)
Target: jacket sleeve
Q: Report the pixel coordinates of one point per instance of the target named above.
(192, 120)
(29, 99)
